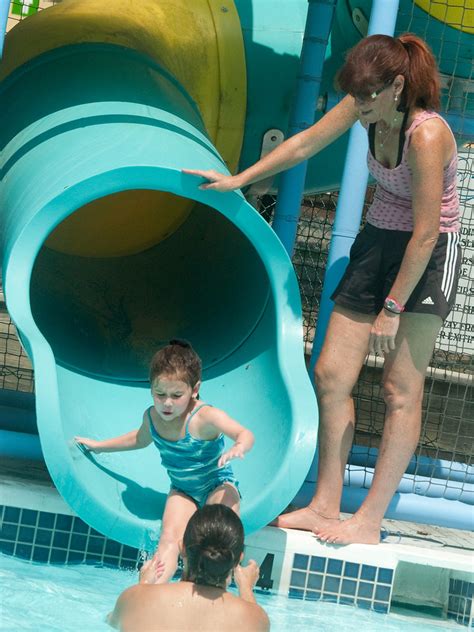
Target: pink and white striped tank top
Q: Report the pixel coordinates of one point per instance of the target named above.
(392, 205)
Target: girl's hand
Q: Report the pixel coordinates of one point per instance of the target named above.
(151, 570)
(89, 444)
(383, 333)
(216, 181)
(235, 452)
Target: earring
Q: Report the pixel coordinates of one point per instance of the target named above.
(395, 98)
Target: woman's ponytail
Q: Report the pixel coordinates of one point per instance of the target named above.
(422, 77)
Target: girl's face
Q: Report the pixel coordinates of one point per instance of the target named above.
(171, 397)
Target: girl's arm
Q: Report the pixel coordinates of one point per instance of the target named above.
(217, 421)
(296, 149)
(134, 440)
(430, 149)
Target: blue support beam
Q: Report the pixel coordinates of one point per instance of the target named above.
(290, 190)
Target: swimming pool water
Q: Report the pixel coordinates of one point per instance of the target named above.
(44, 598)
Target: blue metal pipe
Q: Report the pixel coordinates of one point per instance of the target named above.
(413, 508)
(4, 9)
(418, 466)
(18, 420)
(20, 445)
(291, 185)
(422, 486)
(356, 476)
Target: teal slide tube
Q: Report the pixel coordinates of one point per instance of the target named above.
(4, 7)
(107, 120)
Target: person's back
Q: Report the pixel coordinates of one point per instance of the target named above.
(185, 606)
(212, 550)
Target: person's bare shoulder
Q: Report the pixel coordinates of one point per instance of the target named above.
(140, 606)
(258, 620)
(250, 616)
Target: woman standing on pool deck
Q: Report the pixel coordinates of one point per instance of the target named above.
(400, 282)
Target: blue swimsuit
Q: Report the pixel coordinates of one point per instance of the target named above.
(192, 463)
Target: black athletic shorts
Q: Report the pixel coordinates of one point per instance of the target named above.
(375, 260)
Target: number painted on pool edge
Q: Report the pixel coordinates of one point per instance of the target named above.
(265, 580)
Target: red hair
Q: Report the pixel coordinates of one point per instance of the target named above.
(376, 60)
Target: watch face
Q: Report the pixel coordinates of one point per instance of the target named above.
(389, 304)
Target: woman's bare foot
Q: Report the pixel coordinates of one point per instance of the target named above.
(351, 531)
(306, 519)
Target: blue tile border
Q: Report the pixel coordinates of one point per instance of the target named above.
(52, 538)
(314, 577)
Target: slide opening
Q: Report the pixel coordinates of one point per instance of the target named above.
(186, 272)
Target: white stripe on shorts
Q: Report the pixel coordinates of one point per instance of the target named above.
(450, 264)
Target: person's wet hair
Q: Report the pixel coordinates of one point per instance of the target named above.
(213, 543)
(178, 359)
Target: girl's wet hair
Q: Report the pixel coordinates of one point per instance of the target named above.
(376, 60)
(213, 543)
(178, 359)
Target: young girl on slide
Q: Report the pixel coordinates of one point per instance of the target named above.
(190, 437)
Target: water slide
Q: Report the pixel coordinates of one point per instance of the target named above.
(108, 250)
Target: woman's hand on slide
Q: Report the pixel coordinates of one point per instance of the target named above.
(383, 333)
(215, 181)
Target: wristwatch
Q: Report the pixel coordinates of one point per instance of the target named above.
(392, 305)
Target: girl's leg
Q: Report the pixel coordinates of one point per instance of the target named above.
(336, 372)
(178, 510)
(403, 379)
(225, 494)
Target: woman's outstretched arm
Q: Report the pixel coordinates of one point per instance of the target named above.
(296, 149)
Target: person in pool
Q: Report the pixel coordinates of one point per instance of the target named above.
(212, 549)
(190, 437)
(400, 283)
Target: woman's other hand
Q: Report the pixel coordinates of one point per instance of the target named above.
(383, 333)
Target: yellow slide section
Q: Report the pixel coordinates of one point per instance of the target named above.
(200, 43)
(103, 227)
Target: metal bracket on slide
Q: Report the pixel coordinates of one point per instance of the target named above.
(271, 139)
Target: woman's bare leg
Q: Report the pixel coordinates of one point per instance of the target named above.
(178, 510)
(403, 380)
(338, 367)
